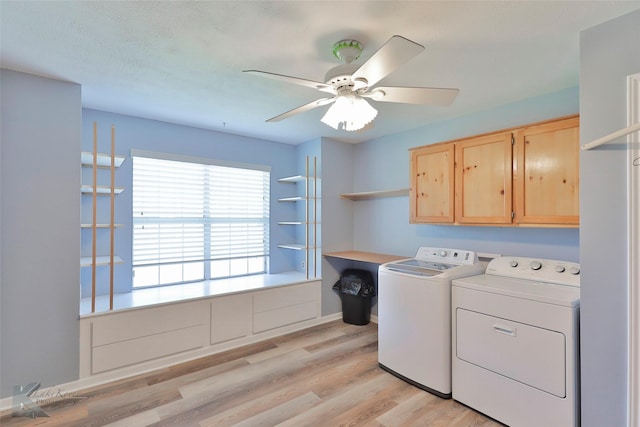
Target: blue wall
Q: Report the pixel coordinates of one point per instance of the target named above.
(608, 54)
(337, 216)
(150, 135)
(382, 225)
(40, 229)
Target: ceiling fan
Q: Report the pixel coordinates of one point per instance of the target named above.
(350, 85)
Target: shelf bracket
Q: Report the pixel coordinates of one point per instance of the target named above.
(612, 136)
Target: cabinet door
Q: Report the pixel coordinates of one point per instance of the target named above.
(431, 192)
(547, 173)
(230, 317)
(483, 180)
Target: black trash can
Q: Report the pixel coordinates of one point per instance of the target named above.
(356, 289)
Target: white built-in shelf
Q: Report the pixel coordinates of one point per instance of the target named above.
(85, 261)
(100, 189)
(297, 199)
(293, 179)
(366, 195)
(103, 160)
(100, 225)
(308, 196)
(292, 199)
(294, 246)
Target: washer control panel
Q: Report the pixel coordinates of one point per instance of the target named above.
(446, 256)
(538, 269)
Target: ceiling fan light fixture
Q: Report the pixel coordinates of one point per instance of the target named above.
(349, 112)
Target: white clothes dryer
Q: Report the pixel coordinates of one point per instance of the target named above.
(515, 341)
(414, 315)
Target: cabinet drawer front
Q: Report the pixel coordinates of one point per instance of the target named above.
(124, 353)
(521, 352)
(266, 320)
(139, 323)
(283, 297)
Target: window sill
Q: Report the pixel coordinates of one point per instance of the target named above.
(179, 293)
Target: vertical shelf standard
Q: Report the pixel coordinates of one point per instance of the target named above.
(96, 160)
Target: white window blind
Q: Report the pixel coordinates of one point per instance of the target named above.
(195, 221)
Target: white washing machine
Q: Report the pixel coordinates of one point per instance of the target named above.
(515, 341)
(414, 315)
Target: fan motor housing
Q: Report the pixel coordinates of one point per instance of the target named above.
(340, 76)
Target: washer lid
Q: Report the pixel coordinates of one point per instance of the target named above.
(521, 288)
(418, 267)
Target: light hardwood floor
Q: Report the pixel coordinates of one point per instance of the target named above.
(327, 375)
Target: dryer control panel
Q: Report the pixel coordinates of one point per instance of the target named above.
(537, 269)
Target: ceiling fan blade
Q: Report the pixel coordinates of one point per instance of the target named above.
(395, 52)
(441, 97)
(306, 107)
(295, 80)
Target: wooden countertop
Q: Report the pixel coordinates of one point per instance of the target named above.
(371, 257)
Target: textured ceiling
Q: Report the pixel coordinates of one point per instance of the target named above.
(182, 62)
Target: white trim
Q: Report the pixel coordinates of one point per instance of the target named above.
(633, 201)
(77, 386)
(194, 159)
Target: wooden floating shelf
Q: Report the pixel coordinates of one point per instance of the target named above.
(85, 261)
(103, 160)
(371, 257)
(100, 189)
(366, 195)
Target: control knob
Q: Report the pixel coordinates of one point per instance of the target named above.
(442, 253)
(560, 268)
(574, 270)
(535, 265)
(513, 263)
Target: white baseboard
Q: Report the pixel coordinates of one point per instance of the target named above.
(74, 387)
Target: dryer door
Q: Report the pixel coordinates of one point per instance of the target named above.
(524, 353)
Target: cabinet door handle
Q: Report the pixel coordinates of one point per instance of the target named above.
(505, 330)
